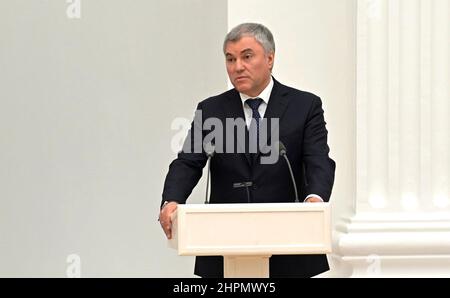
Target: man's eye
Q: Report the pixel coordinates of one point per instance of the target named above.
(230, 59)
(248, 56)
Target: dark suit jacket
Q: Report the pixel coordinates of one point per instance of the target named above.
(302, 130)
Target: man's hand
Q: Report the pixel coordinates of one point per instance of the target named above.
(165, 218)
(313, 200)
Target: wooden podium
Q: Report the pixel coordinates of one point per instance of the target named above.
(247, 235)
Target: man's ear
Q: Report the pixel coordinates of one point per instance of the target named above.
(271, 59)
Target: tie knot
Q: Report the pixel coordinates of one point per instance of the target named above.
(254, 103)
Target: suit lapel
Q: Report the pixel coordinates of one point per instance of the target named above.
(278, 103)
(235, 110)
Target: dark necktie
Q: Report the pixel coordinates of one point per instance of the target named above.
(254, 105)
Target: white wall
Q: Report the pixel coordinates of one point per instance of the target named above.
(86, 108)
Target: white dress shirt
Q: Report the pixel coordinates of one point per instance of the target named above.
(265, 96)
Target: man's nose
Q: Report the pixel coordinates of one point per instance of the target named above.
(239, 65)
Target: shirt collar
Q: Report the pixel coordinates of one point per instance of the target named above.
(264, 95)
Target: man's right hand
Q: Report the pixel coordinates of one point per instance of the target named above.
(165, 218)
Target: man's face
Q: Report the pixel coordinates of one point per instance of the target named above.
(248, 65)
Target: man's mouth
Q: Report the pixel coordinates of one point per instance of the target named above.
(240, 78)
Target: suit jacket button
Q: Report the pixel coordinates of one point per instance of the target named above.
(255, 187)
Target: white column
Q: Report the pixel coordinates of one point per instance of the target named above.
(374, 113)
(402, 214)
(409, 98)
(440, 107)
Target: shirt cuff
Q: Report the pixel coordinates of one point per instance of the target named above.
(313, 196)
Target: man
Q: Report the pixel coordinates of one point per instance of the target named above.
(250, 51)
